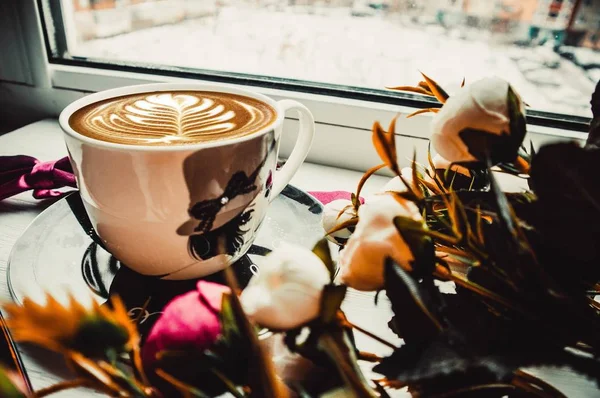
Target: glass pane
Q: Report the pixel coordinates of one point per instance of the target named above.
(549, 50)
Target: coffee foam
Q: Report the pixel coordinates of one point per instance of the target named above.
(172, 118)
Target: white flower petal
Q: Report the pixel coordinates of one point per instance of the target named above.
(481, 106)
(375, 238)
(286, 293)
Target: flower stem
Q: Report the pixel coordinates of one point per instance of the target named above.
(535, 385)
(184, 388)
(371, 335)
(352, 376)
(476, 388)
(366, 176)
(594, 304)
(368, 356)
(64, 385)
(138, 365)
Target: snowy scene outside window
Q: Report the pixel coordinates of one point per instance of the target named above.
(549, 50)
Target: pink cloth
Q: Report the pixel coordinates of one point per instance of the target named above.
(23, 173)
(329, 196)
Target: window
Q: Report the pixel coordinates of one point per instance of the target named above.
(549, 50)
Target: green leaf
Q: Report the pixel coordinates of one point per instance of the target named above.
(341, 353)
(321, 249)
(355, 201)
(518, 124)
(231, 387)
(7, 388)
(421, 245)
(503, 208)
(261, 374)
(229, 325)
(331, 300)
(411, 300)
(301, 391)
(96, 335)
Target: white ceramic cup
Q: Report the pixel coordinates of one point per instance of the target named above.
(161, 210)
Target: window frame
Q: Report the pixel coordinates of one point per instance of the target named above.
(60, 40)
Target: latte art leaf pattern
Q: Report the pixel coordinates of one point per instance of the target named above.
(172, 118)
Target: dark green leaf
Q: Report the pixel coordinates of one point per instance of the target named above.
(566, 216)
(331, 300)
(503, 208)
(97, 335)
(376, 298)
(381, 391)
(593, 140)
(231, 387)
(301, 392)
(261, 376)
(229, 326)
(412, 303)
(321, 249)
(341, 353)
(518, 124)
(421, 245)
(482, 144)
(478, 179)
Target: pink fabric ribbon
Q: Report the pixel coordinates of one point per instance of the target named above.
(23, 173)
(329, 196)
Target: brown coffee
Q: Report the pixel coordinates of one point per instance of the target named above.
(172, 118)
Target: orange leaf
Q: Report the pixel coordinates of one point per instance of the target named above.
(90, 370)
(435, 88)
(341, 226)
(423, 84)
(418, 90)
(385, 145)
(420, 111)
(366, 176)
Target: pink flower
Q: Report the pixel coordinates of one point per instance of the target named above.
(189, 321)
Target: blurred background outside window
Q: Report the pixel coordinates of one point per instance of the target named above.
(548, 49)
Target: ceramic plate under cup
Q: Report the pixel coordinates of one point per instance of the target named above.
(59, 253)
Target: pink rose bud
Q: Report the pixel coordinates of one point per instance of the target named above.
(189, 321)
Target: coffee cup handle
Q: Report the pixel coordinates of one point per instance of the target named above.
(304, 141)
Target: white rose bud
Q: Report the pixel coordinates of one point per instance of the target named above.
(286, 293)
(481, 106)
(396, 184)
(375, 238)
(334, 214)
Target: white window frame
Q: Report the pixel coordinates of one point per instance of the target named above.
(343, 136)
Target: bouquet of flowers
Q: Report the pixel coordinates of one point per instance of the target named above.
(524, 269)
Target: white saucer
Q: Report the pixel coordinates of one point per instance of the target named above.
(57, 254)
